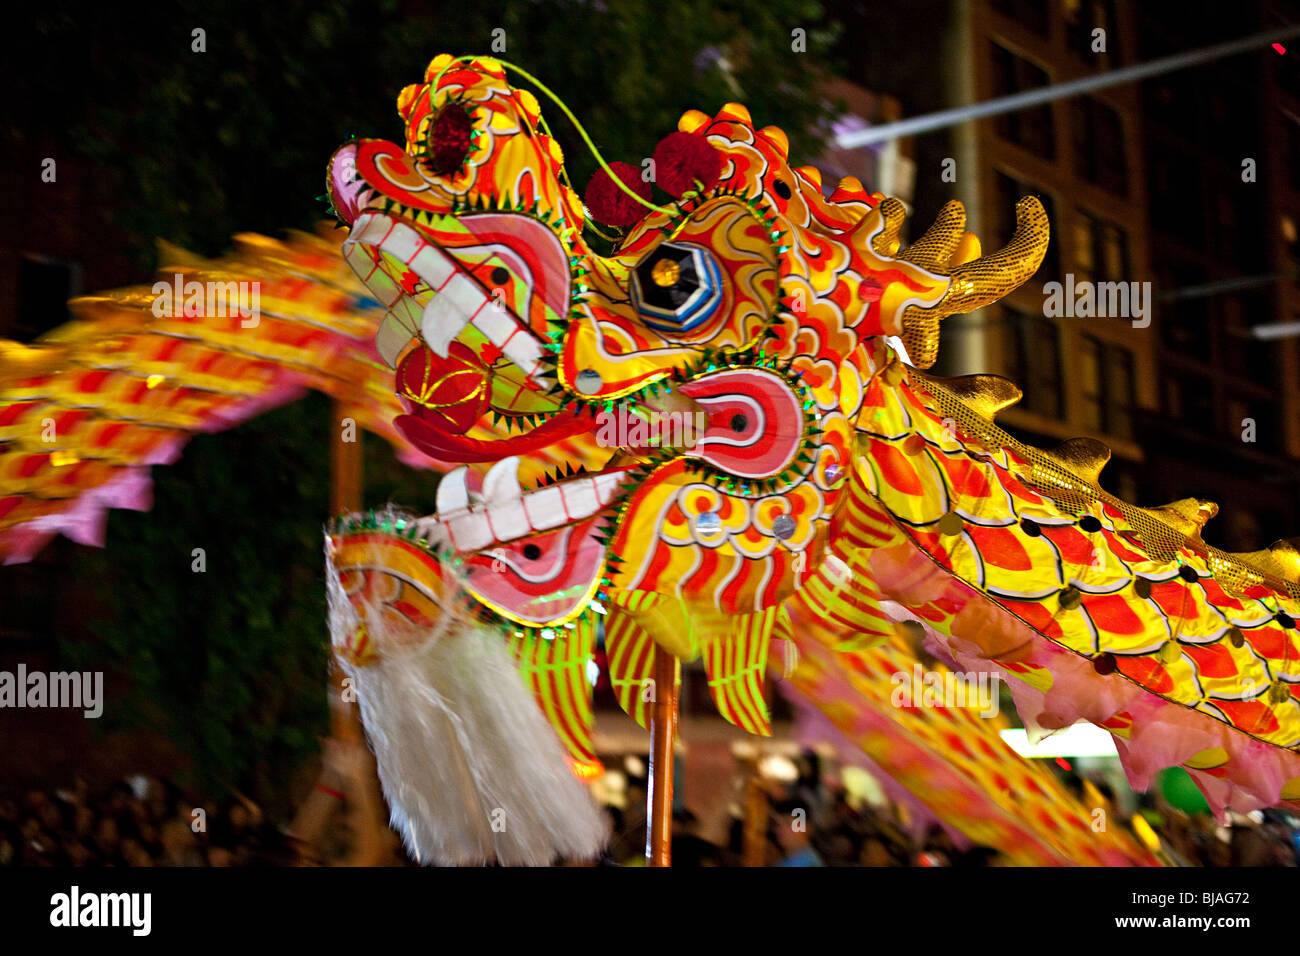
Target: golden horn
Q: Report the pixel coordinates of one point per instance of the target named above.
(985, 395)
(886, 241)
(1083, 457)
(1280, 559)
(934, 250)
(1188, 516)
(980, 281)
(989, 278)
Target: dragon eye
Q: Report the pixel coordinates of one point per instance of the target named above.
(677, 287)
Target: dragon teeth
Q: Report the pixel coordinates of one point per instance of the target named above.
(453, 491)
(505, 512)
(504, 498)
(501, 485)
(455, 302)
(449, 310)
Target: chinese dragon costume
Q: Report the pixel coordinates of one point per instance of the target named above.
(839, 499)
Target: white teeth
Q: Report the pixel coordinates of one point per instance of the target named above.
(453, 492)
(526, 352)
(455, 301)
(432, 266)
(504, 499)
(501, 484)
(449, 311)
(579, 497)
(496, 325)
(469, 532)
(504, 513)
(607, 485)
(546, 508)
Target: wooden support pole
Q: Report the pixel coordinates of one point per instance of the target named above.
(663, 738)
(346, 481)
(754, 827)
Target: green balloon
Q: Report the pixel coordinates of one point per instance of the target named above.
(1176, 786)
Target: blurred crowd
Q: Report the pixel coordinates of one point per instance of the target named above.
(142, 822)
(135, 822)
(1265, 838)
(791, 830)
(814, 821)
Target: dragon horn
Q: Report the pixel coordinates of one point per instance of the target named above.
(886, 241)
(935, 249)
(978, 282)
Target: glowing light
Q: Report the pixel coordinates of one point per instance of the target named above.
(1077, 740)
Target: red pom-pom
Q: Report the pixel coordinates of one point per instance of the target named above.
(451, 393)
(681, 159)
(450, 137)
(611, 205)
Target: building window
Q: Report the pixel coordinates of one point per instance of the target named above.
(1100, 249)
(1293, 153)
(1030, 128)
(1091, 388)
(1238, 350)
(1030, 14)
(1009, 191)
(1035, 361)
(1106, 387)
(1290, 236)
(1082, 17)
(1098, 135)
(1288, 78)
(1184, 316)
(1173, 103)
(1189, 399)
(1255, 419)
(1121, 392)
(1177, 196)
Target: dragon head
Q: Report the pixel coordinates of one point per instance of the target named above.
(708, 374)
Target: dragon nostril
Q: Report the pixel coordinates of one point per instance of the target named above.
(532, 552)
(781, 189)
(739, 423)
(500, 275)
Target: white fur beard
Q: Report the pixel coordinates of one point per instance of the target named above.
(471, 769)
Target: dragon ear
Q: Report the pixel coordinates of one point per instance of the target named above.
(345, 187)
(977, 282)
